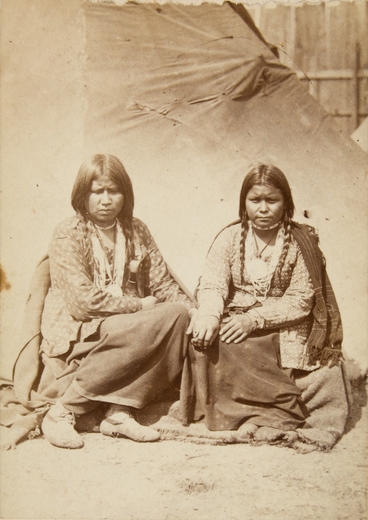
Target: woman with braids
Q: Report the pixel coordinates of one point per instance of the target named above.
(114, 320)
(267, 316)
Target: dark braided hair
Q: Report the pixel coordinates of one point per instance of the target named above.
(266, 174)
(92, 169)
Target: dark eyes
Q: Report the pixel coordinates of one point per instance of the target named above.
(269, 201)
(100, 192)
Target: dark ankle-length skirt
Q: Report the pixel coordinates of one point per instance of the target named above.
(136, 358)
(231, 384)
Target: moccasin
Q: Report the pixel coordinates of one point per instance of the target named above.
(130, 428)
(58, 428)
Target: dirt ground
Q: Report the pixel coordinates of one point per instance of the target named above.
(170, 480)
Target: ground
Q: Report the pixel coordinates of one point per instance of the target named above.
(171, 480)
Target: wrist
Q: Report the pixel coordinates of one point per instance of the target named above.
(211, 316)
(206, 314)
(256, 320)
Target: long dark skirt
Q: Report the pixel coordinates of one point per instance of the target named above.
(135, 360)
(230, 384)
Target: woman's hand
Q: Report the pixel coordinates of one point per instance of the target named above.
(236, 328)
(148, 300)
(205, 331)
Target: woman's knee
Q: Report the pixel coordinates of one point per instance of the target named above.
(170, 310)
(174, 311)
(112, 323)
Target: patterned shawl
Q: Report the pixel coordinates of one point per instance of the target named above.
(324, 342)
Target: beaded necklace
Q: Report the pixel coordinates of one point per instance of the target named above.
(107, 277)
(108, 227)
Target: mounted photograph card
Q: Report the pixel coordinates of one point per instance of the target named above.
(189, 97)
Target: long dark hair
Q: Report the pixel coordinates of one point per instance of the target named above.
(92, 169)
(266, 174)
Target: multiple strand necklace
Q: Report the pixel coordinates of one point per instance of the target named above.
(261, 271)
(110, 280)
(258, 253)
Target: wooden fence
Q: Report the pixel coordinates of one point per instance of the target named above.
(327, 46)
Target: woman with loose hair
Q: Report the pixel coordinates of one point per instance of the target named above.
(267, 319)
(114, 320)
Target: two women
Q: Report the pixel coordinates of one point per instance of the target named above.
(265, 340)
(114, 319)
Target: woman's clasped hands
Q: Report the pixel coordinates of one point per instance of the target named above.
(236, 328)
(205, 329)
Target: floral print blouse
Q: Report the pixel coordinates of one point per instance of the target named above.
(75, 306)
(288, 303)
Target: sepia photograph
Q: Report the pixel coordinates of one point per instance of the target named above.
(184, 260)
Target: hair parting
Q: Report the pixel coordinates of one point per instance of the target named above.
(266, 174)
(91, 169)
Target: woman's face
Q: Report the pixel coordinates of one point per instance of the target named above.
(265, 205)
(104, 201)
